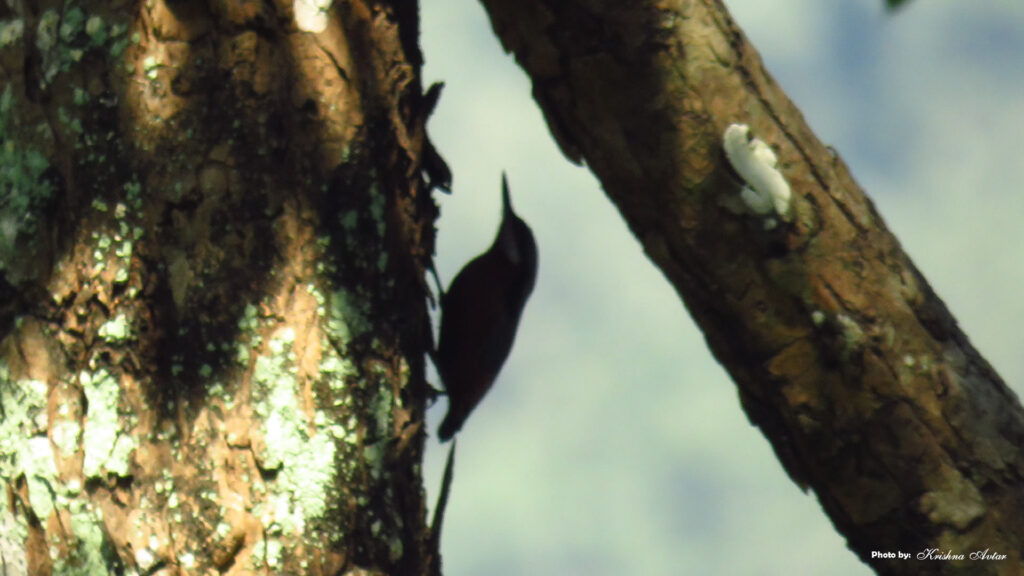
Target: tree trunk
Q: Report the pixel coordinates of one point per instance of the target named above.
(213, 234)
(843, 355)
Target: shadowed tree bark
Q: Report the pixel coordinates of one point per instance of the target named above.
(843, 355)
(214, 233)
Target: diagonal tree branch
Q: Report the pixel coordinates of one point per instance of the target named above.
(843, 355)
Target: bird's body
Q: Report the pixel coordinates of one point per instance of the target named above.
(480, 315)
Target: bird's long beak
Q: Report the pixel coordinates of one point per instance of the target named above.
(506, 201)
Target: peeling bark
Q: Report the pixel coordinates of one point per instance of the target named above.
(843, 355)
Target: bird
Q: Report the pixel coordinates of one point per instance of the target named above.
(480, 314)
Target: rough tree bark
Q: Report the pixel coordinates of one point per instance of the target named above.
(843, 356)
(213, 233)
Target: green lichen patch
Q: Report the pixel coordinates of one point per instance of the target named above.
(133, 194)
(381, 408)
(249, 337)
(89, 554)
(13, 532)
(65, 434)
(24, 194)
(24, 416)
(72, 23)
(40, 474)
(97, 31)
(303, 456)
(11, 32)
(266, 554)
(335, 370)
(150, 66)
(24, 446)
(347, 317)
(116, 330)
(64, 37)
(108, 448)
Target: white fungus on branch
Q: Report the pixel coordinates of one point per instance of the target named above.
(766, 190)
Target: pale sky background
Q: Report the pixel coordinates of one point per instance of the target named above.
(613, 443)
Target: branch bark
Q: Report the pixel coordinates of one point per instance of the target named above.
(843, 355)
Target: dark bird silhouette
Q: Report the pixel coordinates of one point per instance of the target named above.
(480, 314)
